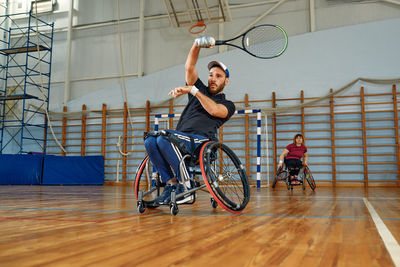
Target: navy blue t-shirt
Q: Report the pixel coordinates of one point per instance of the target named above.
(196, 120)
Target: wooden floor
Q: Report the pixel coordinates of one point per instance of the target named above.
(99, 226)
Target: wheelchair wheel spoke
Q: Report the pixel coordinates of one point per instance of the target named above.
(229, 186)
(226, 178)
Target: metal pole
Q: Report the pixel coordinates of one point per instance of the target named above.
(141, 40)
(267, 147)
(221, 48)
(312, 15)
(259, 149)
(67, 86)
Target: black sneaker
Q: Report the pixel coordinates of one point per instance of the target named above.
(165, 197)
(179, 189)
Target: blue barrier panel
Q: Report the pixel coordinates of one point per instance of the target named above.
(73, 170)
(20, 169)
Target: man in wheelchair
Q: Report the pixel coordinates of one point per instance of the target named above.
(292, 155)
(206, 111)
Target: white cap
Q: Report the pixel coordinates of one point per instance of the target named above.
(219, 64)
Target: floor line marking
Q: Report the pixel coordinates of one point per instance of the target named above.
(388, 239)
(61, 209)
(76, 220)
(327, 197)
(197, 213)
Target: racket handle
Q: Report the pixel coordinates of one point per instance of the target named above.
(218, 42)
(205, 41)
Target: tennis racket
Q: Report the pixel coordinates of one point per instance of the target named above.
(261, 41)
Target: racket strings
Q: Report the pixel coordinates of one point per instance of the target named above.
(265, 41)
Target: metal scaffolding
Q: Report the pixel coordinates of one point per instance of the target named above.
(25, 67)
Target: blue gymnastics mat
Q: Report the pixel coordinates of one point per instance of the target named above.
(51, 170)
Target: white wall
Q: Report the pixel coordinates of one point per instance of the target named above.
(95, 50)
(313, 62)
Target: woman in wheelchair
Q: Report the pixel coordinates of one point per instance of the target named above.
(292, 155)
(206, 111)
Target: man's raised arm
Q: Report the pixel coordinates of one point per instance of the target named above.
(190, 66)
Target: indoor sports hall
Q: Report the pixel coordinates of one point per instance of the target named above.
(199, 133)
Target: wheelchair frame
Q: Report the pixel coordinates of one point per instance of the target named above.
(226, 183)
(283, 175)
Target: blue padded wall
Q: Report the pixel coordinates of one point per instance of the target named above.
(73, 170)
(20, 169)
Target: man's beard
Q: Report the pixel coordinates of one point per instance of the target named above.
(216, 91)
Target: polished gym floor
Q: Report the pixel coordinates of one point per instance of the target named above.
(100, 226)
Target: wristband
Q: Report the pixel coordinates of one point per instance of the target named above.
(194, 90)
(281, 161)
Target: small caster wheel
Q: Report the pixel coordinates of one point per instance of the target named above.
(288, 185)
(174, 209)
(141, 208)
(214, 203)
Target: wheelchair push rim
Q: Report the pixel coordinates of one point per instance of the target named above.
(309, 178)
(281, 175)
(143, 182)
(276, 177)
(231, 187)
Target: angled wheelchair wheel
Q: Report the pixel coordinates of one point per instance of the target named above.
(281, 175)
(309, 177)
(224, 176)
(276, 178)
(146, 186)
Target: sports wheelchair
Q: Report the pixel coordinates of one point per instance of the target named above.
(305, 175)
(223, 175)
